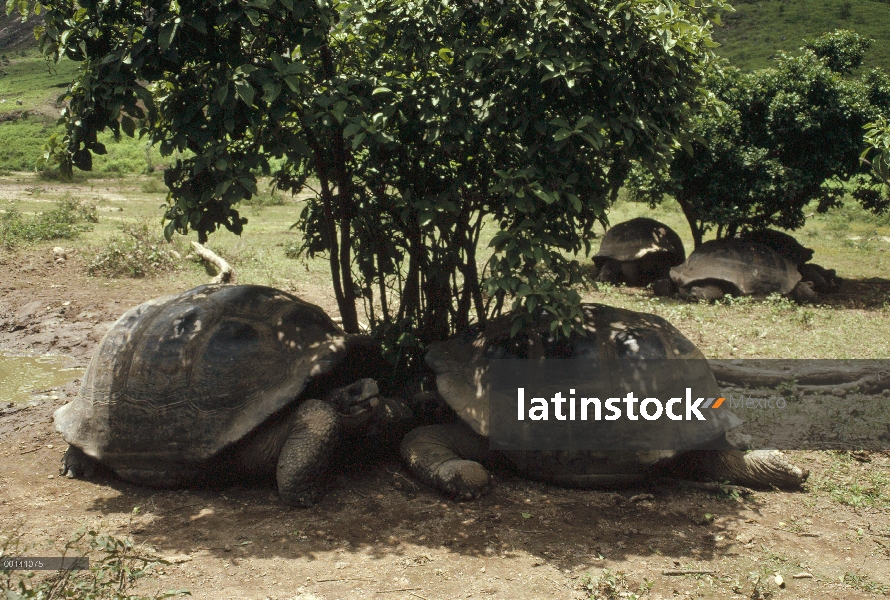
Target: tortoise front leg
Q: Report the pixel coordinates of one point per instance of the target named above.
(314, 433)
(447, 457)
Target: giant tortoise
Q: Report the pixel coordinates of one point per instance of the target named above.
(823, 281)
(450, 457)
(638, 252)
(221, 382)
(738, 268)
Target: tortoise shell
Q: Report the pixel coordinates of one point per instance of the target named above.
(782, 243)
(462, 364)
(748, 268)
(180, 378)
(638, 238)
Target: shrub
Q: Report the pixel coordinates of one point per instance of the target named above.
(115, 566)
(270, 199)
(66, 221)
(138, 252)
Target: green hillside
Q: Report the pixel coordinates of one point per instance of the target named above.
(760, 28)
(751, 35)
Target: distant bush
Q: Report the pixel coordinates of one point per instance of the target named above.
(139, 251)
(115, 567)
(66, 221)
(270, 199)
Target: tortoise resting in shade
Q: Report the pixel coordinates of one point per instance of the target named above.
(823, 281)
(638, 252)
(452, 457)
(224, 382)
(735, 267)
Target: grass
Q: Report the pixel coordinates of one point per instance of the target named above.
(29, 89)
(848, 482)
(66, 221)
(759, 29)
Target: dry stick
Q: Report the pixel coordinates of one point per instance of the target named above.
(29, 451)
(398, 590)
(800, 533)
(688, 572)
(226, 273)
(345, 579)
(417, 595)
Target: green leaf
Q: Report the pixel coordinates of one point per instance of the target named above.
(128, 125)
(526, 515)
(245, 91)
(277, 61)
(271, 90)
(168, 32)
(293, 83)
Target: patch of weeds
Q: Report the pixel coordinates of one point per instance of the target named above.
(116, 565)
(266, 199)
(292, 250)
(153, 185)
(780, 302)
(606, 288)
(66, 221)
(612, 585)
(729, 300)
(865, 584)
(805, 317)
(848, 482)
(138, 252)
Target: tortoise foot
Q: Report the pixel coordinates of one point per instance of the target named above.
(770, 468)
(462, 479)
(303, 498)
(77, 465)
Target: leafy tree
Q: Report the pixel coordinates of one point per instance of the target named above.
(420, 122)
(842, 49)
(877, 136)
(775, 140)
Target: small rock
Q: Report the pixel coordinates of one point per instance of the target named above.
(50, 477)
(779, 581)
(840, 393)
(641, 498)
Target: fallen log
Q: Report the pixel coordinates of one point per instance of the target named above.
(808, 376)
(225, 272)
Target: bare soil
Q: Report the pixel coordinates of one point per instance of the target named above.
(378, 534)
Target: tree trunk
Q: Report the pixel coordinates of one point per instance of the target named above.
(689, 213)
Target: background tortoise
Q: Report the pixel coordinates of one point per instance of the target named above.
(638, 252)
(824, 281)
(738, 268)
(450, 457)
(782, 243)
(221, 381)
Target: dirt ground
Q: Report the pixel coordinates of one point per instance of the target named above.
(377, 534)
